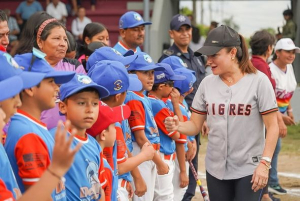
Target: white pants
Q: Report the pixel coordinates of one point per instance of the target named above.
(163, 185)
(179, 192)
(148, 172)
(122, 193)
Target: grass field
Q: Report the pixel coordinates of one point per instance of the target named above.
(291, 143)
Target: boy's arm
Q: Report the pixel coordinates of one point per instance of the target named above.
(184, 179)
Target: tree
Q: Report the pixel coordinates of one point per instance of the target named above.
(186, 11)
(229, 22)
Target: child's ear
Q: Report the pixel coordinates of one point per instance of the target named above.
(62, 106)
(102, 135)
(29, 92)
(160, 86)
(117, 97)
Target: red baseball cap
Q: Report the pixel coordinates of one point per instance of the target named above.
(107, 116)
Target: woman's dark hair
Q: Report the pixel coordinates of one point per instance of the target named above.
(29, 33)
(242, 56)
(72, 44)
(275, 56)
(91, 30)
(260, 42)
(288, 12)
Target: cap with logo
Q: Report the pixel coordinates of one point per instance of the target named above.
(35, 62)
(9, 67)
(107, 116)
(143, 63)
(179, 20)
(131, 19)
(184, 85)
(176, 62)
(113, 76)
(218, 38)
(286, 44)
(108, 53)
(78, 83)
(166, 75)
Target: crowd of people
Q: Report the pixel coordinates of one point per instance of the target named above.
(96, 122)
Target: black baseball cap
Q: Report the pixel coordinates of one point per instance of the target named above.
(179, 20)
(218, 38)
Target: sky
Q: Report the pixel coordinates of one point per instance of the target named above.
(250, 15)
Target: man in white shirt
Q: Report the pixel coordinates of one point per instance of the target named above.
(79, 23)
(58, 10)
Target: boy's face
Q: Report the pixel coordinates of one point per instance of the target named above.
(10, 106)
(110, 137)
(46, 94)
(2, 123)
(147, 79)
(167, 88)
(81, 109)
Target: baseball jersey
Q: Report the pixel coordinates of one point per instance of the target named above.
(82, 179)
(161, 112)
(5, 194)
(122, 48)
(29, 147)
(7, 175)
(141, 117)
(285, 85)
(234, 152)
(108, 174)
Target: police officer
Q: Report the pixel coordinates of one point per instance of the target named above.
(181, 32)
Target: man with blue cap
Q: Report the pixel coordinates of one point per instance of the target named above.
(132, 32)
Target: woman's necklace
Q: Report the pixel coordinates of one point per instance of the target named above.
(230, 81)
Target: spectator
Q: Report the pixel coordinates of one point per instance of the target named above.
(25, 10)
(13, 32)
(71, 6)
(79, 23)
(213, 25)
(132, 32)
(93, 4)
(289, 29)
(72, 46)
(58, 10)
(4, 30)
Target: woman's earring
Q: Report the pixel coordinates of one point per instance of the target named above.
(232, 58)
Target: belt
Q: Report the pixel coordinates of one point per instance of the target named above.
(156, 146)
(170, 157)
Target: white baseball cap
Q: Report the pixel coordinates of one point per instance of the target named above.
(286, 44)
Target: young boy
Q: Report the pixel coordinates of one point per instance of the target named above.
(105, 133)
(142, 122)
(113, 76)
(185, 149)
(163, 88)
(80, 103)
(29, 144)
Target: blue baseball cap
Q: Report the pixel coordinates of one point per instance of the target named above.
(143, 63)
(175, 62)
(186, 84)
(113, 76)
(109, 53)
(131, 19)
(9, 87)
(78, 83)
(9, 68)
(35, 62)
(166, 75)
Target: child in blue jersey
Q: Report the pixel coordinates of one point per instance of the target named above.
(80, 103)
(185, 149)
(163, 88)
(105, 133)
(29, 144)
(142, 122)
(113, 76)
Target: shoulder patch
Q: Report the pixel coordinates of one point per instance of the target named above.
(168, 52)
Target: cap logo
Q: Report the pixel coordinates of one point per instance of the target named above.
(137, 17)
(191, 84)
(214, 41)
(181, 18)
(147, 58)
(290, 42)
(118, 85)
(116, 51)
(182, 63)
(11, 61)
(160, 76)
(84, 79)
(121, 23)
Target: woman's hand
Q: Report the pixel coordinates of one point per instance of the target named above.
(205, 129)
(171, 123)
(260, 177)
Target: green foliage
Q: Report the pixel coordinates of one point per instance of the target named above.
(229, 22)
(291, 143)
(203, 29)
(271, 30)
(186, 11)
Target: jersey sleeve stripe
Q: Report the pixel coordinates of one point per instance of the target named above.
(135, 128)
(172, 133)
(269, 111)
(30, 180)
(181, 141)
(197, 111)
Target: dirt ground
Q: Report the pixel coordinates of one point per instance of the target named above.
(288, 168)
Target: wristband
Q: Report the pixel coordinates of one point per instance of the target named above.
(267, 159)
(54, 174)
(268, 166)
(290, 110)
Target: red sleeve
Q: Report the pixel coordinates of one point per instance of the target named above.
(137, 116)
(160, 119)
(32, 158)
(5, 194)
(108, 154)
(108, 187)
(121, 146)
(183, 138)
(101, 172)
